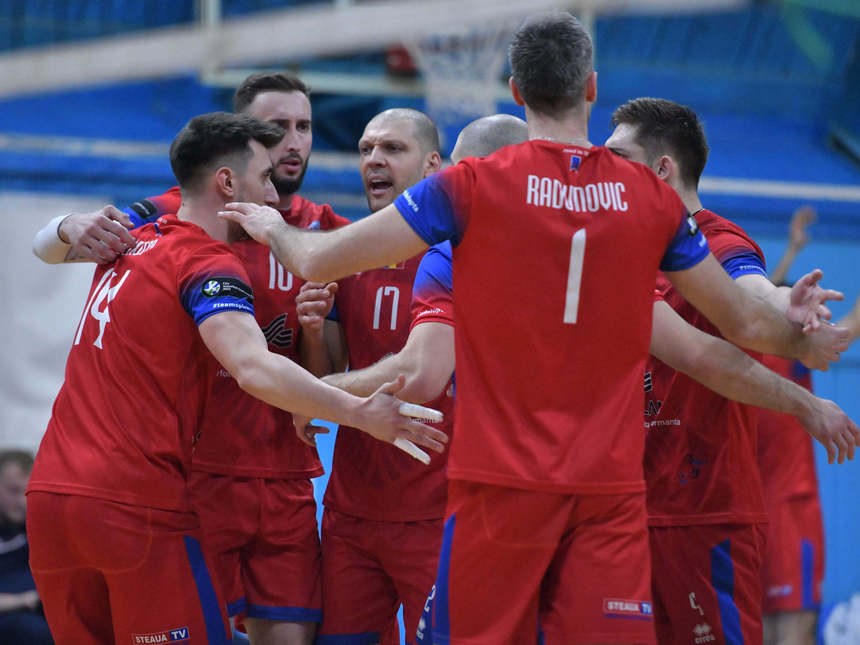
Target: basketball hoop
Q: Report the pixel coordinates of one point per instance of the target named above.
(462, 68)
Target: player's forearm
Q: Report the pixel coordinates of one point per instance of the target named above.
(313, 354)
(757, 285)
(282, 383)
(47, 244)
(364, 382)
(852, 322)
(728, 371)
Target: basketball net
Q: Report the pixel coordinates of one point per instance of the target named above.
(462, 67)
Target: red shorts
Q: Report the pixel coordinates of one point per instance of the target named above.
(707, 583)
(520, 565)
(262, 535)
(369, 569)
(793, 566)
(109, 572)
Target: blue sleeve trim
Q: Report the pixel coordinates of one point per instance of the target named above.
(687, 248)
(214, 294)
(334, 314)
(744, 264)
(427, 209)
(435, 271)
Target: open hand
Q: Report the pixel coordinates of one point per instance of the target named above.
(100, 236)
(806, 304)
(829, 425)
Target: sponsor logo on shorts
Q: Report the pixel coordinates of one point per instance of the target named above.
(178, 635)
(703, 634)
(779, 590)
(619, 608)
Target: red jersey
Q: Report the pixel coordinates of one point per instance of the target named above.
(548, 394)
(786, 457)
(137, 376)
(371, 479)
(700, 447)
(244, 436)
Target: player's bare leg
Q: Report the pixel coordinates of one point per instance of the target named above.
(790, 628)
(262, 631)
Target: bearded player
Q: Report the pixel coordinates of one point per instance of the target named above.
(115, 545)
(706, 508)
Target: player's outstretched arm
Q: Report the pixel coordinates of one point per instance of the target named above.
(728, 371)
(237, 342)
(313, 304)
(426, 361)
(99, 236)
(751, 322)
(322, 256)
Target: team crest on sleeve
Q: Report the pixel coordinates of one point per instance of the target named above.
(227, 287)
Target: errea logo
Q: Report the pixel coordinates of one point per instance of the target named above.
(703, 634)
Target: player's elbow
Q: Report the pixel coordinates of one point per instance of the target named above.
(250, 377)
(747, 332)
(315, 266)
(421, 387)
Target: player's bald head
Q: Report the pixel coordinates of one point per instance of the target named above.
(422, 127)
(551, 58)
(484, 136)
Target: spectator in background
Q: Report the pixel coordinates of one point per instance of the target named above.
(21, 618)
(798, 237)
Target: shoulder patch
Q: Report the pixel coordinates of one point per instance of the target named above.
(145, 208)
(692, 225)
(227, 287)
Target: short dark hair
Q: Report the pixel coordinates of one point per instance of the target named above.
(666, 127)
(23, 458)
(217, 138)
(551, 58)
(259, 83)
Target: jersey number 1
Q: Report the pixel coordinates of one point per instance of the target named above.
(574, 277)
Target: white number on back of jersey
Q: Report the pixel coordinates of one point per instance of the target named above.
(574, 277)
(104, 293)
(381, 294)
(279, 277)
